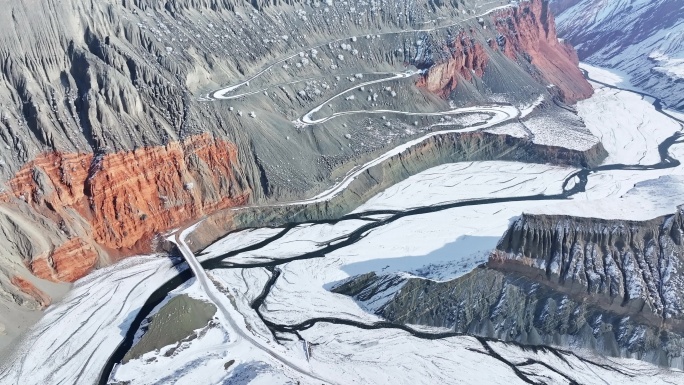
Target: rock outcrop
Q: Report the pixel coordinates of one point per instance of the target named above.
(118, 202)
(512, 307)
(528, 32)
(67, 262)
(31, 290)
(623, 266)
(466, 58)
(612, 286)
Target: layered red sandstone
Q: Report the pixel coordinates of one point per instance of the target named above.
(126, 198)
(67, 263)
(526, 32)
(530, 30)
(135, 195)
(466, 57)
(31, 290)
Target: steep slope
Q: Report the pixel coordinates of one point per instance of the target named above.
(525, 34)
(631, 264)
(644, 39)
(532, 31)
(609, 285)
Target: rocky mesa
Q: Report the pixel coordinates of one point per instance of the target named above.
(625, 266)
(612, 286)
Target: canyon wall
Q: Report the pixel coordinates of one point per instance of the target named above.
(612, 286)
(624, 265)
(512, 307)
(526, 34)
(114, 204)
(530, 31)
(437, 150)
(642, 41)
(465, 58)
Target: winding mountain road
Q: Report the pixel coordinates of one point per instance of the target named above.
(497, 114)
(225, 92)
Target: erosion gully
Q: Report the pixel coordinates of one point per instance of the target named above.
(223, 262)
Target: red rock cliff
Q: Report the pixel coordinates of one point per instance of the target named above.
(66, 263)
(528, 32)
(524, 33)
(126, 198)
(29, 289)
(466, 57)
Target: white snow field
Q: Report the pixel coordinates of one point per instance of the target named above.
(203, 361)
(547, 132)
(609, 76)
(345, 354)
(672, 67)
(628, 126)
(396, 357)
(635, 127)
(470, 180)
(75, 338)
